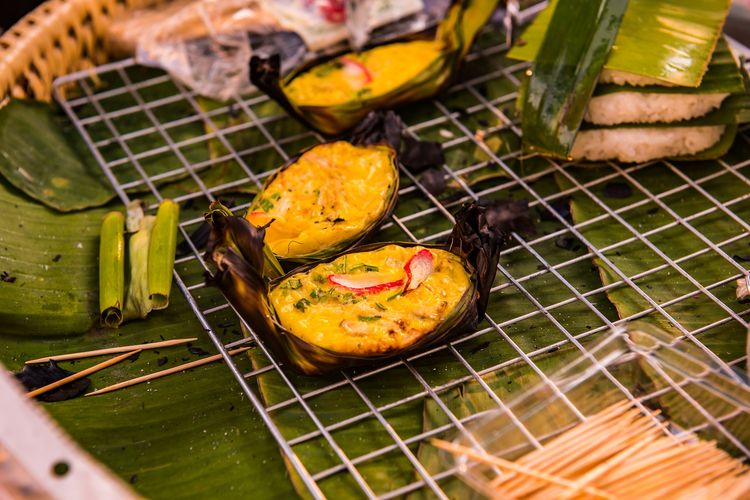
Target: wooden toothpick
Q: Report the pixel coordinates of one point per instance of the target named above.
(110, 350)
(501, 462)
(163, 373)
(81, 374)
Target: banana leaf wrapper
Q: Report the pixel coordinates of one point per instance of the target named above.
(667, 40)
(378, 129)
(236, 250)
(565, 71)
(463, 21)
(734, 111)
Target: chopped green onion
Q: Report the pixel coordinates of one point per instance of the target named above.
(291, 284)
(302, 304)
(395, 295)
(380, 306)
(366, 267)
(265, 204)
(369, 319)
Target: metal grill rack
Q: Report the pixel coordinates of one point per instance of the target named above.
(102, 103)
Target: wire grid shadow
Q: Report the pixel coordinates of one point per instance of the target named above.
(662, 241)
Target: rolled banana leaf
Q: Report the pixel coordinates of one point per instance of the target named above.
(565, 71)
(383, 301)
(333, 94)
(331, 196)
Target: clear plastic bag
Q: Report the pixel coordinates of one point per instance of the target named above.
(207, 44)
(693, 391)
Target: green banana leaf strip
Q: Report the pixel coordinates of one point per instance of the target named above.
(670, 40)
(563, 75)
(722, 76)
(42, 155)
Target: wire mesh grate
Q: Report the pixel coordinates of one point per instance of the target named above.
(661, 240)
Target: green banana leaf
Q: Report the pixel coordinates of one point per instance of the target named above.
(43, 155)
(157, 436)
(670, 40)
(188, 435)
(563, 75)
(723, 75)
(677, 242)
(51, 284)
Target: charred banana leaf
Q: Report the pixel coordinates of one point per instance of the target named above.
(334, 94)
(383, 301)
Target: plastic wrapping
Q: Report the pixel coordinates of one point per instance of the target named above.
(236, 250)
(207, 44)
(674, 376)
(452, 40)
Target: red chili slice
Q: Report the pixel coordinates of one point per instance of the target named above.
(418, 268)
(334, 11)
(361, 68)
(361, 284)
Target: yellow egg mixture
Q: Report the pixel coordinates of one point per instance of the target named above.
(336, 318)
(388, 67)
(329, 195)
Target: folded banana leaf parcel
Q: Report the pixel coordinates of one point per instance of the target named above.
(631, 80)
(334, 93)
(370, 304)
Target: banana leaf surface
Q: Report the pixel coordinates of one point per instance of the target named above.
(194, 435)
(670, 40)
(44, 156)
(155, 436)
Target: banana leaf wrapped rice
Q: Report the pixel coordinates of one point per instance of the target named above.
(376, 302)
(335, 93)
(659, 82)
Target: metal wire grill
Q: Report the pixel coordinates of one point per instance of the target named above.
(132, 129)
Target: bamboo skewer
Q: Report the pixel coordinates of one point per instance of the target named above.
(163, 373)
(500, 462)
(111, 350)
(81, 374)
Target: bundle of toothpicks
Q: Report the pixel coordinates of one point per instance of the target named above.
(619, 453)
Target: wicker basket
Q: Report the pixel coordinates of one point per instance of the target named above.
(58, 37)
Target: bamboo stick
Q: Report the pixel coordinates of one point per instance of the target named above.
(500, 462)
(81, 374)
(163, 373)
(110, 350)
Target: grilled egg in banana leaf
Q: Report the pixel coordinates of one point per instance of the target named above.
(334, 94)
(381, 301)
(332, 195)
